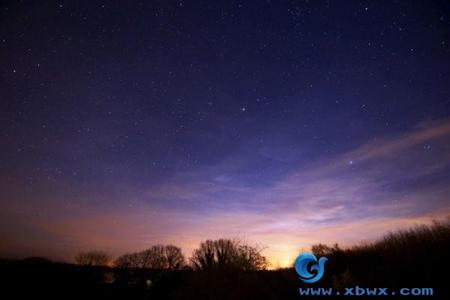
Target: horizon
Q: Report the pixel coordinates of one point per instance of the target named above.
(282, 124)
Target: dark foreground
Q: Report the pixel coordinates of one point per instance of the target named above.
(28, 280)
(418, 258)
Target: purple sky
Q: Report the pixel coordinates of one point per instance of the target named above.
(280, 123)
(347, 198)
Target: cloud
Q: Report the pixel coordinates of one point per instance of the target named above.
(284, 234)
(386, 183)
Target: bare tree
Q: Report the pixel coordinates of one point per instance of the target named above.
(93, 258)
(131, 261)
(203, 258)
(157, 257)
(154, 258)
(174, 257)
(324, 250)
(228, 254)
(250, 258)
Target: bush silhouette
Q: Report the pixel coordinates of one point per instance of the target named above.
(416, 256)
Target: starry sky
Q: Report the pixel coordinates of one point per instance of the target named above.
(126, 124)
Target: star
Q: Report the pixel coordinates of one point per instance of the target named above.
(149, 122)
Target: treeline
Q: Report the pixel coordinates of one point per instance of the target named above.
(157, 257)
(230, 269)
(218, 254)
(417, 256)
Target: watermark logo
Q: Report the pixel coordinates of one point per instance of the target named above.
(308, 268)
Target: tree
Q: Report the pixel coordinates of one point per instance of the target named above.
(132, 261)
(320, 250)
(93, 258)
(203, 258)
(174, 257)
(156, 257)
(250, 258)
(228, 254)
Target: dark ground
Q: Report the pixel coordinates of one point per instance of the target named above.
(414, 258)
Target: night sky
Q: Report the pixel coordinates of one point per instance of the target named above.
(283, 123)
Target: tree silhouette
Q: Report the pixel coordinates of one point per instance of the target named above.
(228, 254)
(157, 257)
(131, 261)
(324, 250)
(250, 258)
(93, 258)
(174, 257)
(203, 258)
(154, 258)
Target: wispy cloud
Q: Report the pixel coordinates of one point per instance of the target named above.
(386, 183)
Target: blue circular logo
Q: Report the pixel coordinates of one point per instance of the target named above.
(308, 268)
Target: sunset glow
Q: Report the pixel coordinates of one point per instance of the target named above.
(284, 126)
